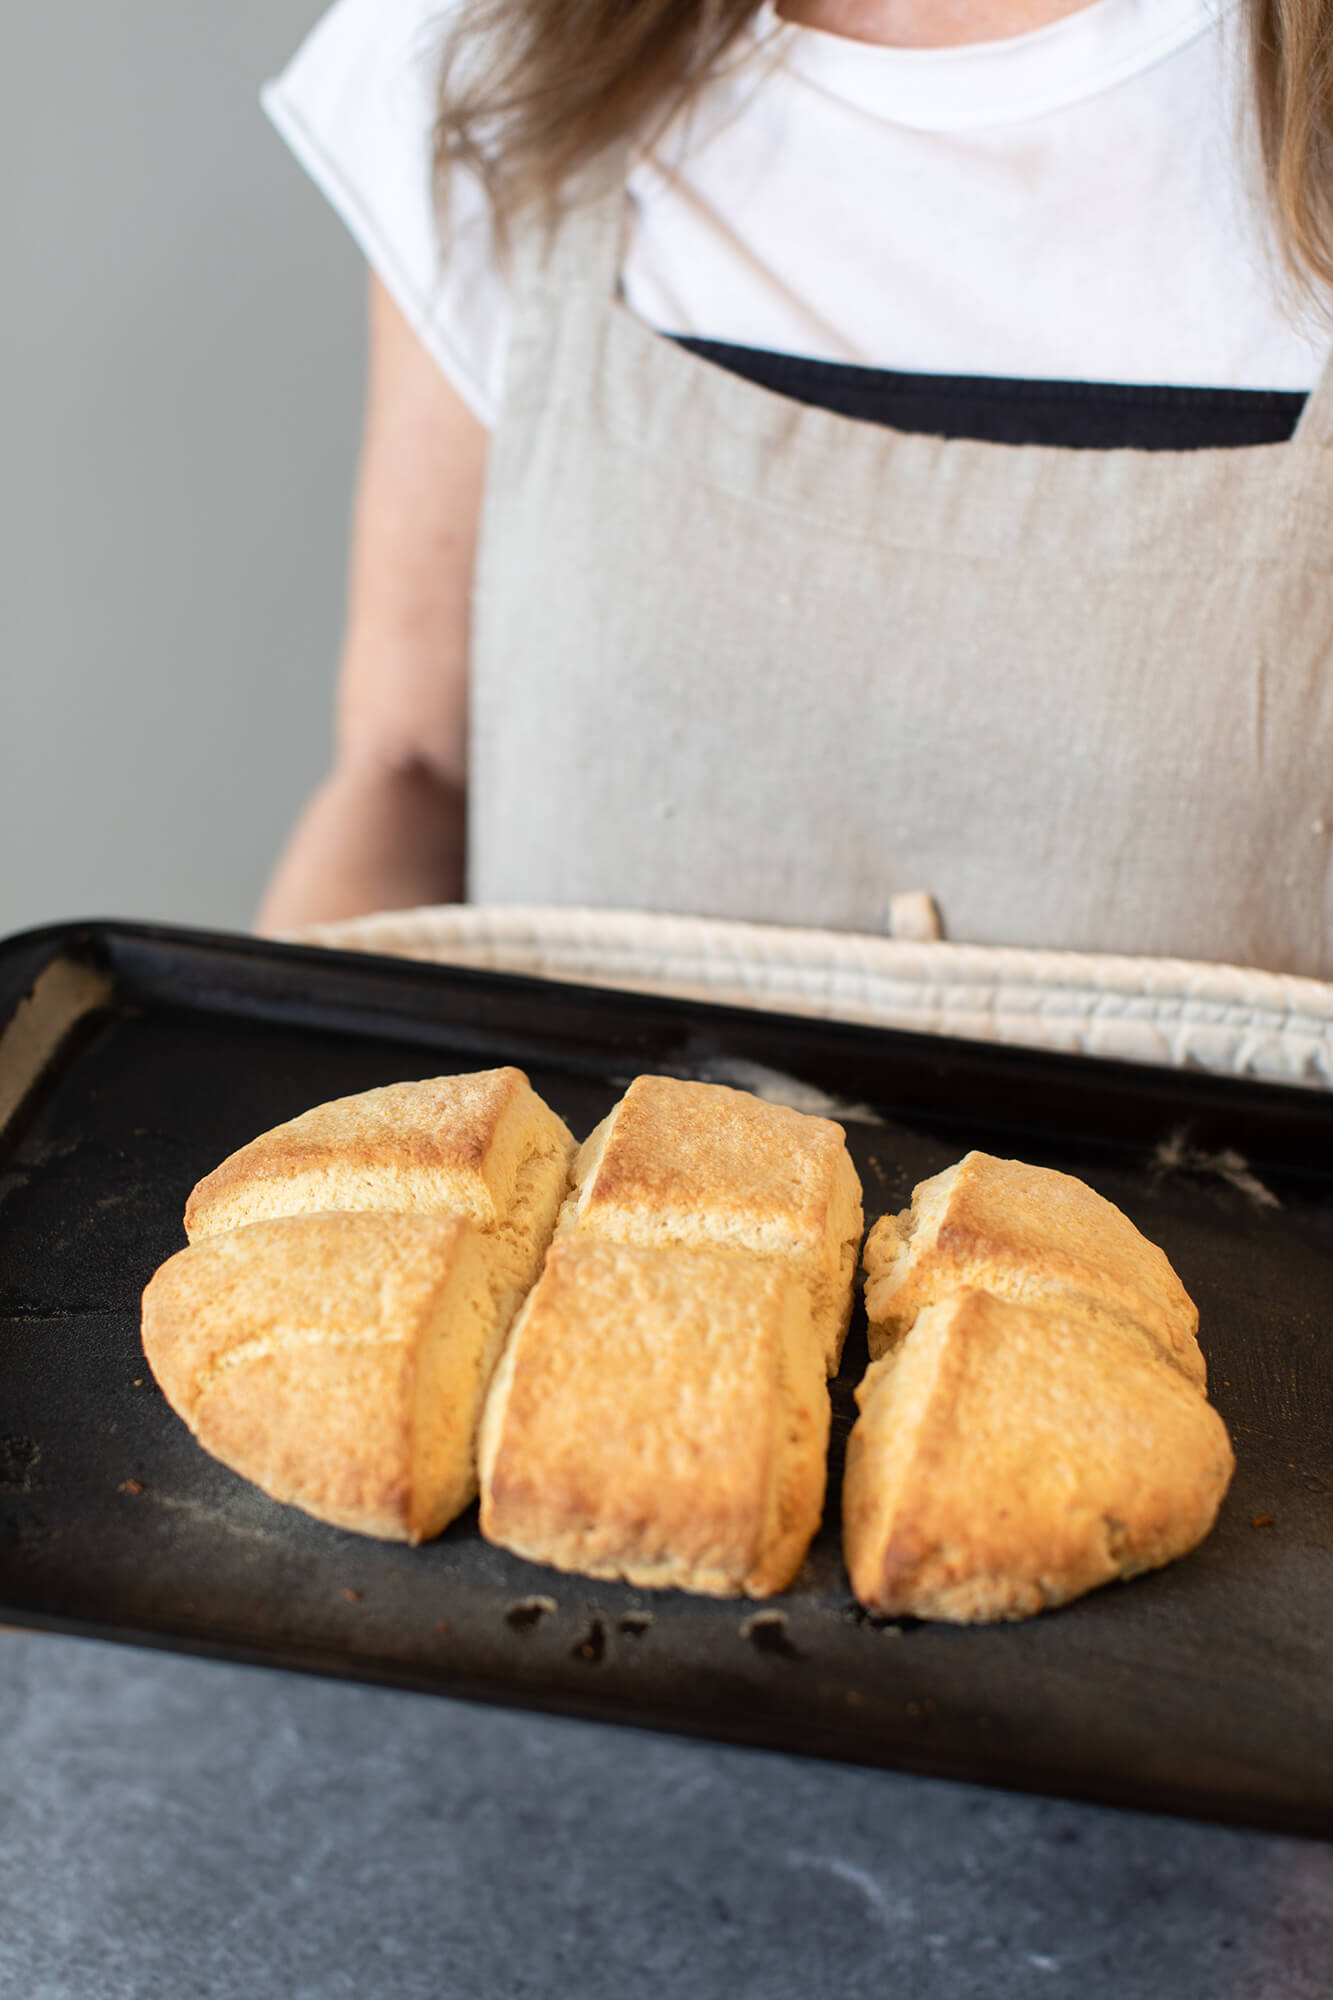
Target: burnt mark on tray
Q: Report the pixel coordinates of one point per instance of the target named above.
(889, 1628)
(591, 1648)
(24, 1311)
(1175, 1157)
(528, 1612)
(29, 1532)
(635, 1623)
(19, 1459)
(767, 1633)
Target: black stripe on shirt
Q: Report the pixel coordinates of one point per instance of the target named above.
(1089, 416)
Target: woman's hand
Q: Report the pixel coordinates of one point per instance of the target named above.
(385, 830)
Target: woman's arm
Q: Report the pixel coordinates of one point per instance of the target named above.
(385, 829)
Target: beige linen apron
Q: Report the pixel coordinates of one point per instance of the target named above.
(737, 656)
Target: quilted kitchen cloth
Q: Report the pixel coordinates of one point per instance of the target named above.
(1229, 1019)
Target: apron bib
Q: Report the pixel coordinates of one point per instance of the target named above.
(740, 657)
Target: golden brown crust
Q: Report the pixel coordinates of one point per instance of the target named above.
(699, 1163)
(1029, 1234)
(1010, 1457)
(659, 1415)
(442, 1145)
(337, 1361)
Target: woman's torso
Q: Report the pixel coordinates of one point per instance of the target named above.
(750, 659)
(747, 658)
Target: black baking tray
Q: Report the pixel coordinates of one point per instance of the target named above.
(133, 1058)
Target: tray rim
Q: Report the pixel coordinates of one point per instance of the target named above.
(735, 1731)
(1304, 1101)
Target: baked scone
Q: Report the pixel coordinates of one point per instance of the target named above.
(1010, 1456)
(338, 1361)
(701, 1164)
(482, 1145)
(659, 1415)
(1029, 1234)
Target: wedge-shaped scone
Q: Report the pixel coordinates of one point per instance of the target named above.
(1030, 1234)
(1010, 1457)
(700, 1163)
(659, 1415)
(338, 1361)
(482, 1145)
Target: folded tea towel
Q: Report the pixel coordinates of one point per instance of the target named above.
(1232, 1020)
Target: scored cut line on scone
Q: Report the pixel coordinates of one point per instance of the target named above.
(332, 1200)
(1034, 1422)
(731, 1226)
(679, 1162)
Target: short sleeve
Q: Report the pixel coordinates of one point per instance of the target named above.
(357, 106)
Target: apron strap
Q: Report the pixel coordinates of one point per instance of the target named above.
(582, 254)
(1314, 431)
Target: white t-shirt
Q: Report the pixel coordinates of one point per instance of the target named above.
(1077, 204)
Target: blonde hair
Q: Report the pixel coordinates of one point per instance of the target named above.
(533, 90)
(1291, 60)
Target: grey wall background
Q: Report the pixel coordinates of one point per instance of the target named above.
(181, 349)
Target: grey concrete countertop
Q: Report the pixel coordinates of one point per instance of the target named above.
(173, 1828)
